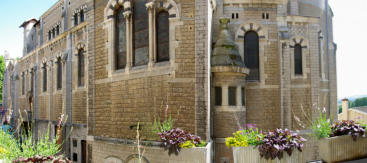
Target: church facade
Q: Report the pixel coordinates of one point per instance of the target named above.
(288, 47)
(112, 66)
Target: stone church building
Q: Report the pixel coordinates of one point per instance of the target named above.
(288, 48)
(111, 66)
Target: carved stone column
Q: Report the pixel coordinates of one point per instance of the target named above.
(129, 40)
(151, 11)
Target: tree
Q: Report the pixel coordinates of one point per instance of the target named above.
(359, 102)
(2, 70)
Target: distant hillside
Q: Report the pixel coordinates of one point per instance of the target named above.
(351, 98)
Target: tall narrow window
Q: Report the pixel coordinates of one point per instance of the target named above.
(59, 74)
(162, 36)
(23, 83)
(81, 16)
(44, 85)
(57, 30)
(298, 59)
(231, 96)
(49, 35)
(81, 68)
(252, 55)
(75, 19)
(140, 33)
(120, 51)
(32, 80)
(218, 96)
(53, 33)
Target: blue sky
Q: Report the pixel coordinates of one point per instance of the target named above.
(349, 33)
(12, 14)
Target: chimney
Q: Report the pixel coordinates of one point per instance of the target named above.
(345, 106)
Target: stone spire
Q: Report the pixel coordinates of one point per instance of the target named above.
(225, 52)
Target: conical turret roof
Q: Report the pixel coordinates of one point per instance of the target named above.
(225, 52)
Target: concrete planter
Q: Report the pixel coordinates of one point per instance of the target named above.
(251, 154)
(126, 153)
(342, 148)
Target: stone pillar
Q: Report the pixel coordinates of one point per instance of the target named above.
(238, 96)
(345, 106)
(151, 11)
(129, 40)
(225, 95)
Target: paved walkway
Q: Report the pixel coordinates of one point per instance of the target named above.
(358, 161)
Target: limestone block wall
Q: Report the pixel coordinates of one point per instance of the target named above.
(122, 99)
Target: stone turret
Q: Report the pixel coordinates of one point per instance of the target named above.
(228, 88)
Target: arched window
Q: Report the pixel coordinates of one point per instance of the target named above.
(140, 33)
(162, 27)
(81, 68)
(120, 51)
(251, 58)
(59, 74)
(298, 59)
(81, 16)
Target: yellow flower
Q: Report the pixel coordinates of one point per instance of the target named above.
(3, 151)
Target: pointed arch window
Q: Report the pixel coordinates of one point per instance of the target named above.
(120, 29)
(162, 27)
(298, 68)
(140, 33)
(251, 55)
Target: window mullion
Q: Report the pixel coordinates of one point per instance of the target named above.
(129, 41)
(151, 10)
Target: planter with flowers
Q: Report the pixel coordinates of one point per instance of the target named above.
(340, 141)
(180, 144)
(252, 145)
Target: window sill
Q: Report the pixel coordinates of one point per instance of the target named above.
(230, 108)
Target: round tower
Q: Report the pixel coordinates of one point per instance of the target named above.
(228, 89)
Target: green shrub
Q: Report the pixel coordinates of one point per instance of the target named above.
(321, 127)
(159, 127)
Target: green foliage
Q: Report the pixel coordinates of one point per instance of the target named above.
(358, 102)
(340, 109)
(191, 144)
(243, 138)
(159, 127)
(9, 147)
(321, 127)
(26, 146)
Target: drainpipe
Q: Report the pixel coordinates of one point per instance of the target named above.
(327, 50)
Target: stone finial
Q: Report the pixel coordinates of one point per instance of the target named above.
(224, 23)
(225, 52)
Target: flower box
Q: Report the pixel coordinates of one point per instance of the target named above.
(251, 154)
(342, 148)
